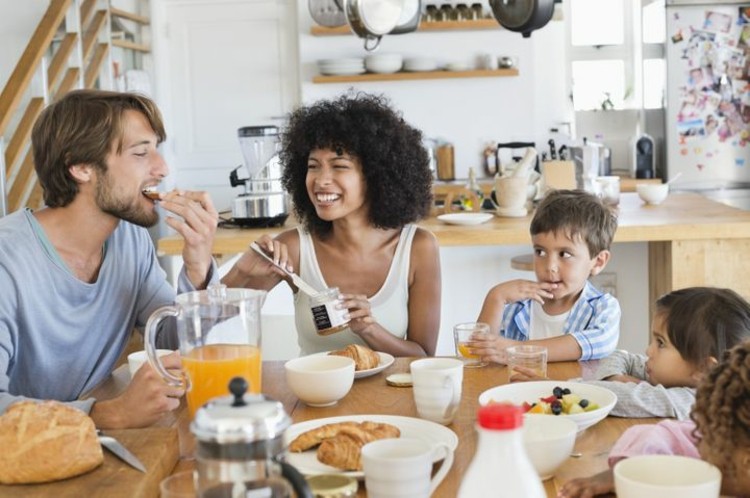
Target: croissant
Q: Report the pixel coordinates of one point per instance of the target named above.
(364, 357)
(343, 450)
(314, 437)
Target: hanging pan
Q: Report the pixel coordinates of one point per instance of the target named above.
(523, 16)
(371, 19)
(327, 13)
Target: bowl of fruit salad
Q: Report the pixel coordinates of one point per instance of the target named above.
(585, 404)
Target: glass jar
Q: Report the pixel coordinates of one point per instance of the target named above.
(477, 12)
(328, 317)
(332, 486)
(446, 12)
(463, 12)
(430, 13)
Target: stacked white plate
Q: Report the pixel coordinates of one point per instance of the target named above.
(341, 67)
(420, 64)
(384, 63)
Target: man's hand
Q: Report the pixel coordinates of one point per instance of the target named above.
(146, 400)
(197, 226)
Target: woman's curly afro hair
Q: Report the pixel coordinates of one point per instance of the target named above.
(394, 162)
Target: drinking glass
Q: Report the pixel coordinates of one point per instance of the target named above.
(531, 357)
(463, 333)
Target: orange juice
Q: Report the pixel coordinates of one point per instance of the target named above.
(463, 349)
(210, 368)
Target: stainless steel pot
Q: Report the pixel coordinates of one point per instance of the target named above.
(523, 16)
(411, 15)
(327, 13)
(371, 19)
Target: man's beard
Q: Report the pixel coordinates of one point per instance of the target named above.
(128, 210)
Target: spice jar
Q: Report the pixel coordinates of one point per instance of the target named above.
(327, 316)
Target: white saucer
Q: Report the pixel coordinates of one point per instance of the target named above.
(465, 218)
(512, 212)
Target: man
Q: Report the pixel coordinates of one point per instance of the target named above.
(78, 275)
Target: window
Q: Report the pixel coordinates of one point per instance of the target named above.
(617, 54)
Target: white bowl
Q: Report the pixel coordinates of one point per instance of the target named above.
(320, 380)
(657, 476)
(384, 63)
(652, 193)
(530, 392)
(548, 441)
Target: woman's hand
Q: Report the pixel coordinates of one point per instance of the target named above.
(599, 484)
(252, 270)
(360, 312)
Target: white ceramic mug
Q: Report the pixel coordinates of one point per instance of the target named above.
(137, 359)
(437, 388)
(657, 476)
(401, 468)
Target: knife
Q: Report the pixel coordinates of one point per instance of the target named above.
(120, 451)
(296, 279)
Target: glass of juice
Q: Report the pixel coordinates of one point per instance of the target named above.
(463, 336)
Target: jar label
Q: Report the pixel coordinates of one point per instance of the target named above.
(326, 316)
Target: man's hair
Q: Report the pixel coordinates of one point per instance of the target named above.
(81, 128)
(704, 322)
(576, 213)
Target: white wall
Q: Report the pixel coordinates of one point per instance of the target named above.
(467, 112)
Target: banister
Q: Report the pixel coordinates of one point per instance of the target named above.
(22, 74)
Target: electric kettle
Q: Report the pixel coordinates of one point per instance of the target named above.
(240, 447)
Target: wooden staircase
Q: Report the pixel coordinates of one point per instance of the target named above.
(70, 49)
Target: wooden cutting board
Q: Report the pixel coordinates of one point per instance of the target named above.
(157, 448)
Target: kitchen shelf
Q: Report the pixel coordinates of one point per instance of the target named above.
(417, 75)
(479, 24)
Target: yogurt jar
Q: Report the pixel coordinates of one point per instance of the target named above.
(328, 318)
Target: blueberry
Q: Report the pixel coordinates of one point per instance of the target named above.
(556, 407)
(566, 391)
(558, 392)
(584, 403)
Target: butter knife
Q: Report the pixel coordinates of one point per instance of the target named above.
(120, 451)
(296, 279)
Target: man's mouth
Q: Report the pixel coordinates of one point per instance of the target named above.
(151, 193)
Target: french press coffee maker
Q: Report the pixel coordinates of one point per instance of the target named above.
(240, 448)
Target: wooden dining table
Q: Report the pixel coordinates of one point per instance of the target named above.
(372, 395)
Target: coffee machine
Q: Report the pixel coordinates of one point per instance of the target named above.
(264, 202)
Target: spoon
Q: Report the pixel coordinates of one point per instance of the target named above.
(675, 177)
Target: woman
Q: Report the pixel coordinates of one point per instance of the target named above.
(359, 178)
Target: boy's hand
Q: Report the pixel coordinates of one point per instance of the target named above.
(519, 290)
(491, 348)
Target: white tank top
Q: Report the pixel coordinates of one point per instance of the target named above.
(390, 304)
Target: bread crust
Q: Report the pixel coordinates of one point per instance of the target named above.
(46, 441)
(364, 357)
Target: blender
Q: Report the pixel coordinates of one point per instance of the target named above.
(263, 202)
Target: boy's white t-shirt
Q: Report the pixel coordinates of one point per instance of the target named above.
(544, 326)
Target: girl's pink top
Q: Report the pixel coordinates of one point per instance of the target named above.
(670, 437)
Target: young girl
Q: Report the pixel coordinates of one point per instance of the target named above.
(692, 328)
(359, 179)
(719, 432)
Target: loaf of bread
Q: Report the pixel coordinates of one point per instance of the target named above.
(46, 441)
(364, 357)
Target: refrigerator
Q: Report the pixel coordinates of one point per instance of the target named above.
(708, 98)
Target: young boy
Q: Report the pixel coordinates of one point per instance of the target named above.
(571, 232)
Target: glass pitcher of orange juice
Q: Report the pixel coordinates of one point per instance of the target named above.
(219, 338)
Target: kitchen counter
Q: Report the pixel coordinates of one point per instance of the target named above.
(691, 240)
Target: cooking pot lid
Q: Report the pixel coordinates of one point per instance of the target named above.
(240, 417)
(379, 17)
(257, 131)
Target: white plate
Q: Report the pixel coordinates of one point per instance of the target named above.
(465, 218)
(386, 361)
(307, 461)
(518, 392)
